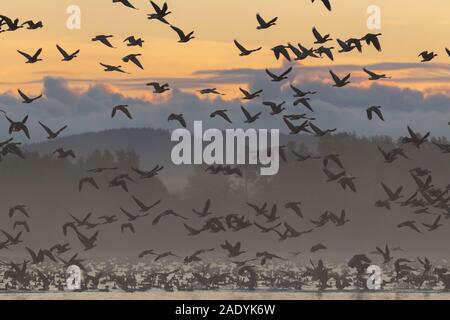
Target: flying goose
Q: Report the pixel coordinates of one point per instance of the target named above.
(66, 56)
(33, 25)
(126, 3)
(319, 38)
(250, 96)
(319, 132)
(27, 99)
(297, 129)
(132, 41)
(263, 24)
(372, 39)
(122, 108)
(374, 76)
(20, 209)
(205, 211)
(281, 50)
(160, 13)
(88, 180)
(427, 56)
(279, 78)
(19, 126)
(435, 225)
(166, 214)
(325, 51)
(276, 108)
(409, 224)
(12, 25)
(103, 39)
(248, 117)
(210, 91)
(110, 68)
(62, 154)
(179, 118)
(222, 114)
(374, 110)
(393, 196)
(183, 37)
(243, 50)
(50, 133)
(133, 58)
(31, 59)
(339, 83)
(159, 88)
(233, 250)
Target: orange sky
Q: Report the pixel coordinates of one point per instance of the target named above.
(407, 30)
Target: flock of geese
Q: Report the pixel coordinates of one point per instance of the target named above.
(427, 199)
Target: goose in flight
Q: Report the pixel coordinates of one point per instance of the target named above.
(372, 39)
(393, 196)
(63, 154)
(250, 96)
(409, 224)
(84, 222)
(195, 256)
(348, 181)
(319, 38)
(276, 108)
(374, 110)
(318, 247)
(126, 3)
(19, 126)
(448, 51)
(295, 206)
(205, 211)
(243, 50)
(88, 242)
(88, 180)
(27, 99)
(265, 256)
(374, 76)
(40, 256)
(193, 232)
(222, 114)
(19, 208)
(427, 56)
(12, 25)
(133, 58)
(51, 134)
(22, 224)
(325, 51)
(233, 250)
(415, 138)
(133, 42)
(302, 52)
(319, 132)
(391, 156)
(339, 83)
(258, 210)
(147, 252)
(110, 68)
(345, 46)
(166, 214)
(126, 226)
(122, 108)
(143, 207)
(281, 50)
(279, 78)
(148, 174)
(131, 217)
(297, 129)
(31, 59)
(104, 39)
(160, 13)
(326, 3)
(210, 91)
(435, 225)
(165, 255)
(248, 117)
(339, 220)
(386, 254)
(183, 37)
(159, 88)
(301, 94)
(101, 170)
(66, 56)
(179, 118)
(108, 219)
(33, 25)
(263, 24)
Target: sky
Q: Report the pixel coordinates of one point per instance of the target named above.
(212, 60)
